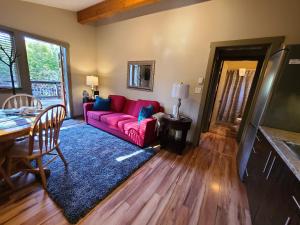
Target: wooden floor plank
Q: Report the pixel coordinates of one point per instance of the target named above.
(200, 187)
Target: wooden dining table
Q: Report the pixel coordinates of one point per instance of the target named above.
(13, 125)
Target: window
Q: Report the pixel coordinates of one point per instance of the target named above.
(8, 44)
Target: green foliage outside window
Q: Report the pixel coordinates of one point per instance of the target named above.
(43, 60)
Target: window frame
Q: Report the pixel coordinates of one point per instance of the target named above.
(17, 67)
(22, 62)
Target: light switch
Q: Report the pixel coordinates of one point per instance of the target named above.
(200, 80)
(198, 90)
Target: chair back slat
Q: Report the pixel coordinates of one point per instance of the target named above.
(20, 100)
(51, 131)
(46, 129)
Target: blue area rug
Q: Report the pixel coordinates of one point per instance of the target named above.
(97, 163)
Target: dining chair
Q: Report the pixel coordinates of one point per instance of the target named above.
(43, 141)
(20, 100)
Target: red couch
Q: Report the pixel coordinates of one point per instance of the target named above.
(122, 120)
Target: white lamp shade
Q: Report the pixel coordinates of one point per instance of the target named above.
(92, 80)
(180, 90)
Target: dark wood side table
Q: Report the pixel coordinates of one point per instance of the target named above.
(174, 133)
(87, 99)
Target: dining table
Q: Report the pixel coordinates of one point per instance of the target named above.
(14, 124)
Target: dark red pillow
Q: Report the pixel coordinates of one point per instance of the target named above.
(117, 103)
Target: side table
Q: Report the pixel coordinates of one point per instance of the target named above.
(174, 133)
(87, 99)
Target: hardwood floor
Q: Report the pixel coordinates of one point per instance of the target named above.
(201, 187)
(228, 130)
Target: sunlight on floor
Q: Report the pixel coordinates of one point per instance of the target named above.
(121, 158)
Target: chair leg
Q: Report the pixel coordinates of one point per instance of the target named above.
(9, 166)
(61, 156)
(6, 178)
(42, 172)
(28, 164)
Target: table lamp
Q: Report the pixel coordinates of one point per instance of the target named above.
(180, 91)
(92, 81)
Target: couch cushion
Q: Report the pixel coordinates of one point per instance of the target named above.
(113, 118)
(96, 115)
(144, 103)
(131, 125)
(121, 123)
(117, 103)
(129, 107)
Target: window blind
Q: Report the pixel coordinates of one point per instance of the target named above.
(8, 43)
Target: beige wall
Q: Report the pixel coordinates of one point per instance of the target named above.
(60, 25)
(179, 41)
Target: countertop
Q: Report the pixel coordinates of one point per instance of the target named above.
(275, 138)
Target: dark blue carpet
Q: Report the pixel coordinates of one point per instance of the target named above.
(98, 163)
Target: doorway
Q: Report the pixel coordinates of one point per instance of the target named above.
(232, 95)
(48, 72)
(258, 49)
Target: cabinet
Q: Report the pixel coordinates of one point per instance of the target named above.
(273, 190)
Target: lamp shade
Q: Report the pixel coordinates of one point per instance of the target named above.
(92, 80)
(180, 90)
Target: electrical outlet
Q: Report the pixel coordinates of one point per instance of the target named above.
(198, 90)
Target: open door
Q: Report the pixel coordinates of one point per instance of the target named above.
(48, 72)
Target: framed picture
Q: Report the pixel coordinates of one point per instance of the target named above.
(140, 75)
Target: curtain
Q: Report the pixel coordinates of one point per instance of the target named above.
(235, 95)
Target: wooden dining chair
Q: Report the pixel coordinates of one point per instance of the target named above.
(21, 100)
(43, 140)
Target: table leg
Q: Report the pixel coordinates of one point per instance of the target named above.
(6, 178)
(3, 147)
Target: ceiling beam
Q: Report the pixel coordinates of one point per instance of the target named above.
(109, 8)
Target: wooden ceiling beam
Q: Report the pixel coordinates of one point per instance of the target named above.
(109, 8)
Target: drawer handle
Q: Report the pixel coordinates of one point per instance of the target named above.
(287, 222)
(295, 200)
(257, 138)
(267, 162)
(247, 174)
(271, 168)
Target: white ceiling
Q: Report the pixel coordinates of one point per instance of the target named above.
(73, 5)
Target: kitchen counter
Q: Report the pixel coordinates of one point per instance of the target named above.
(276, 137)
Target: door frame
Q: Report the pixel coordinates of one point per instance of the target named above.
(65, 68)
(272, 43)
(259, 60)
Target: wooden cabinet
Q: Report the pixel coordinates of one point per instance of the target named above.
(273, 190)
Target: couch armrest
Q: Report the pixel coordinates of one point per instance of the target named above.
(147, 130)
(87, 107)
(161, 109)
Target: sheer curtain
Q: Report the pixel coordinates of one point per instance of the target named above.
(234, 96)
